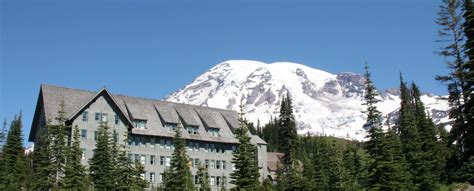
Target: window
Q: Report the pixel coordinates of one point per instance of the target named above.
(196, 179)
(104, 118)
(214, 132)
(212, 148)
(218, 181)
(190, 146)
(95, 135)
(170, 126)
(130, 140)
(196, 146)
(152, 160)
(160, 178)
(152, 142)
(97, 116)
(143, 159)
(213, 164)
(162, 143)
(192, 130)
(224, 165)
(206, 147)
(168, 161)
(196, 163)
(137, 158)
(130, 157)
(168, 144)
(117, 120)
(83, 154)
(162, 160)
(144, 141)
(141, 124)
(212, 181)
(85, 116)
(218, 164)
(224, 180)
(207, 163)
(136, 140)
(152, 177)
(83, 134)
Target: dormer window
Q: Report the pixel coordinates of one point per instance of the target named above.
(192, 130)
(170, 126)
(214, 132)
(140, 124)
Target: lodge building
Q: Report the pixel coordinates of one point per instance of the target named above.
(149, 124)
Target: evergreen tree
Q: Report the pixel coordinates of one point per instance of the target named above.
(246, 174)
(13, 159)
(179, 168)
(270, 134)
(58, 145)
(320, 160)
(288, 143)
(336, 171)
(75, 175)
(288, 135)
(128, 173)
(391, 168)
(100, 165)
(43, 171)
(467, 135)
(431, 162)
(408, 131)
(451, 32)
(376, 136)
(203, 178)
(354, 165)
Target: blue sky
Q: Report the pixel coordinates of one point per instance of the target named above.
(150, 48)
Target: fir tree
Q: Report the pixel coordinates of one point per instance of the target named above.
(288, 134)
(100, 165)
(43, 171)
(354, 165)
(75, 175)
(57, 136)
(431, 163)
(246, 174)
(391, 169)
(13, 158)
(179, 168)
(407, 129)
(203, 178)
(320, 160)
(467, 133)
(336, 172)
(128, 174)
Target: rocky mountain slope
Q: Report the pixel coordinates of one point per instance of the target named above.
(324, 103)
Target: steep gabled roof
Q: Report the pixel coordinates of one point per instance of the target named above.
(102, 92)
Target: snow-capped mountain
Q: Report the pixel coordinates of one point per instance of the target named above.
(323, 103)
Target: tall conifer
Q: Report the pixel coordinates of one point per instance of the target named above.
(100, 165)
(75, 175)
(13, 158)
(179, 167)
(246, 175)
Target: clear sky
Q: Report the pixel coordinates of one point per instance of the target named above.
(150, 48)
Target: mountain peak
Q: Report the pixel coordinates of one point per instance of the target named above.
(323, 103)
